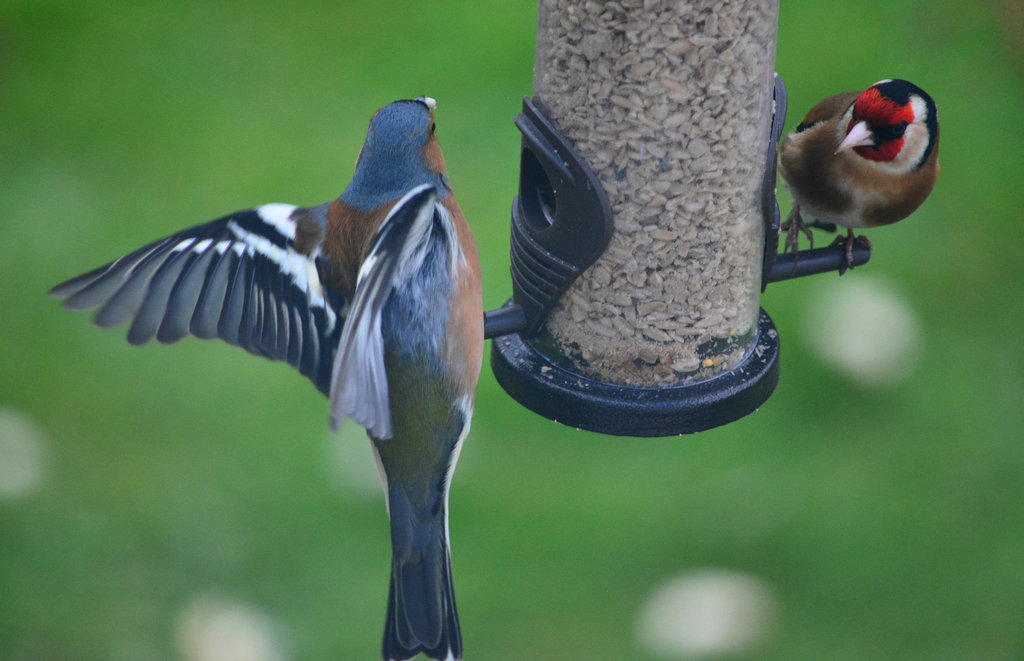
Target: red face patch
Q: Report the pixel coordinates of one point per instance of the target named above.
(880, 112)
(883, 152)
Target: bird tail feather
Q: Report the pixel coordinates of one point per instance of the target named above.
(421, 615)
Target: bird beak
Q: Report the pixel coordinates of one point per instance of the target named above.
(428, 102)
(860, 135)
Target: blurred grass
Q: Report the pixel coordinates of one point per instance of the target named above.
(889, 522)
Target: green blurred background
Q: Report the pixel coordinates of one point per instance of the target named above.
(155, 489)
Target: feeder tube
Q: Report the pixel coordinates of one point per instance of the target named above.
(670, 105)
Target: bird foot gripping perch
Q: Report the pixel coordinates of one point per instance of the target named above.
(838, 256)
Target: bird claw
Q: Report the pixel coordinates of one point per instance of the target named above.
(848, 241)
(793, 226)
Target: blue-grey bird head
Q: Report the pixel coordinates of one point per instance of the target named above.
(394, 158)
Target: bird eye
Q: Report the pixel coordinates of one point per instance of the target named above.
(433, 125)
(890, 132)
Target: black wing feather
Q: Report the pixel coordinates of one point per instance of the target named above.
(234, 302)
(208, 308)
(238, 278)
(97, 286)
(184, 298)
(126, 300)
(157, 296)
(249, 319)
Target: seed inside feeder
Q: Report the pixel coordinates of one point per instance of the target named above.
(670, 106)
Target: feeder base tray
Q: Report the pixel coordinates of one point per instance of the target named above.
(571, 399)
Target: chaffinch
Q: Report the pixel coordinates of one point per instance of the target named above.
(376, 298)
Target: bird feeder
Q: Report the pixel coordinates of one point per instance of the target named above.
(645, 227)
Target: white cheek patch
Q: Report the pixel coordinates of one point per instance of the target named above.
(920, 109)
(915, 142)
(916, 139)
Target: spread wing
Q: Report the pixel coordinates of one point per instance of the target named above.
(359, 385)
(241, 278)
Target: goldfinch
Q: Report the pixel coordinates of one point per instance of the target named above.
(860, 159)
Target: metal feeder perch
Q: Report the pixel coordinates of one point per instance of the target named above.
(646, 225)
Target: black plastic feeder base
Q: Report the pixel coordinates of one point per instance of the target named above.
(578, 401)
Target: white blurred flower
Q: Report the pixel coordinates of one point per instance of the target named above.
(215, 628)
(23, 453)
(706, 613)
(863, 327)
